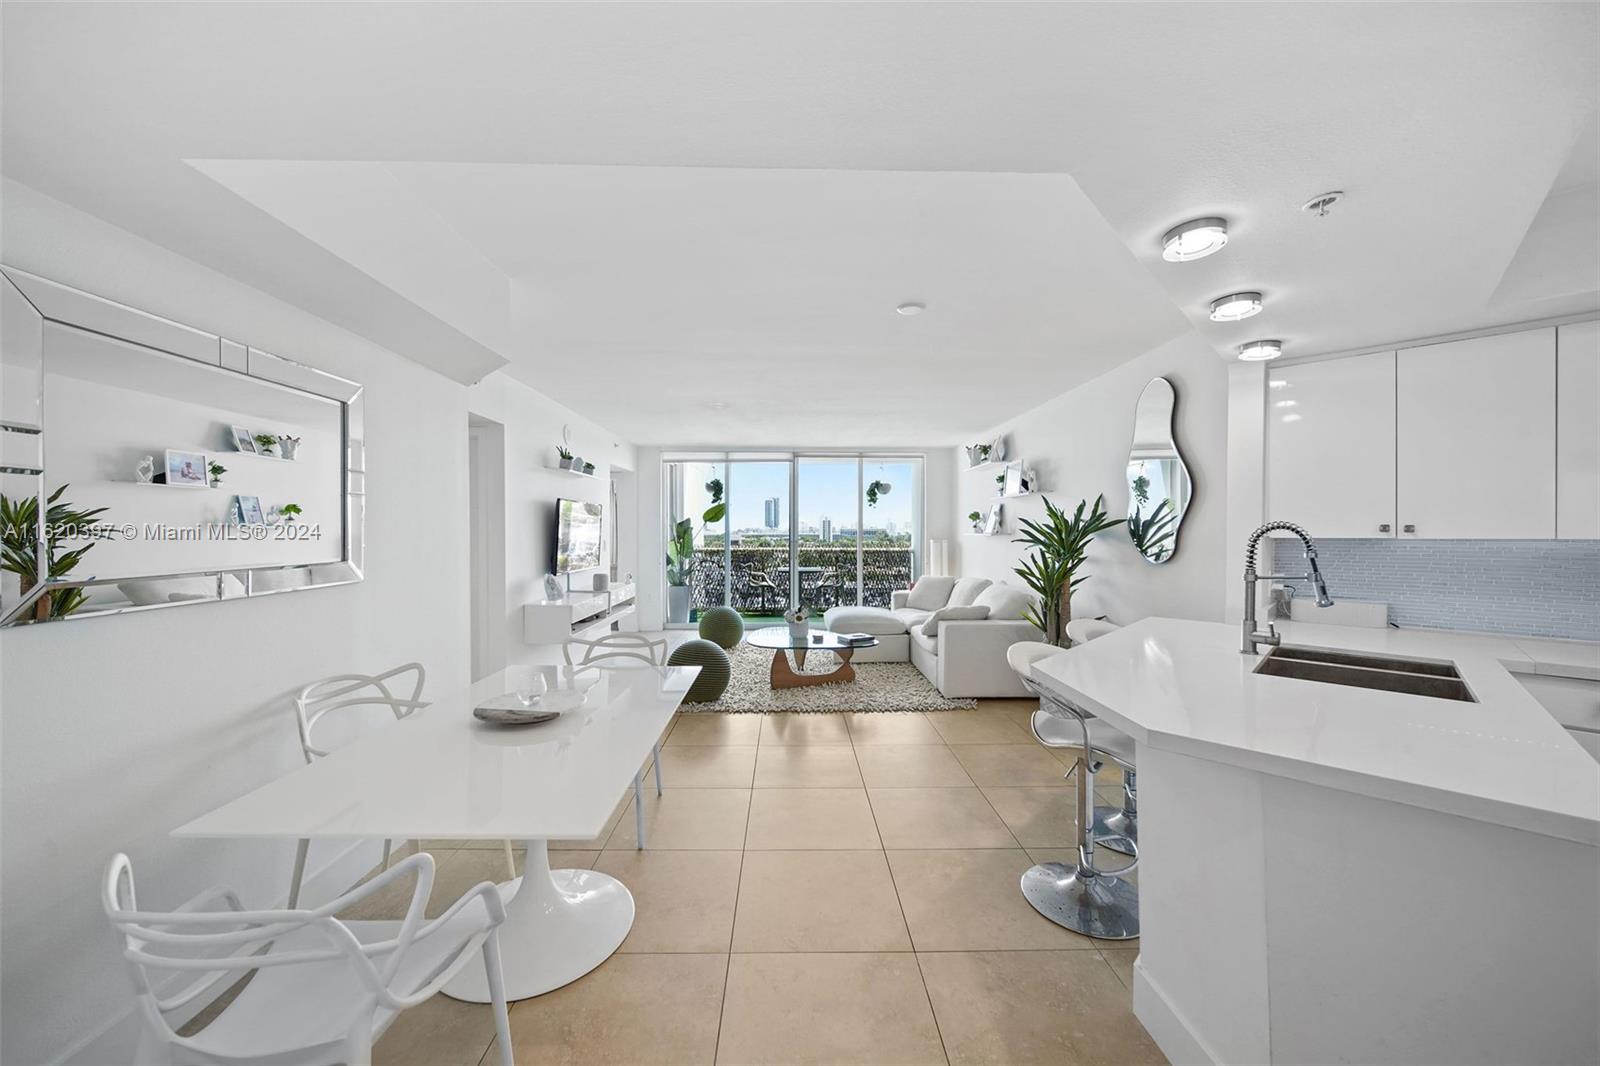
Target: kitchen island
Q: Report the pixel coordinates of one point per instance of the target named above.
(1337, 874)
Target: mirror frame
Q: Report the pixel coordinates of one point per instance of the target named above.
(23, 445)
(1188, 476)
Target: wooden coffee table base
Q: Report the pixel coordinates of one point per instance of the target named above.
(783, 675)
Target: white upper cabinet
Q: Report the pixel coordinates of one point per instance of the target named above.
(1331, 446)
(1476, 437)
(1578, 431)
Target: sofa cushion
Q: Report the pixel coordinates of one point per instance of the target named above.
(874, 620)
(966, 590)
(1005, 601)
(952, 614)
(910, 616)
(925, 642)
(931, 593)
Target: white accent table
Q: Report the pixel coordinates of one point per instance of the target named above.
(441, 774)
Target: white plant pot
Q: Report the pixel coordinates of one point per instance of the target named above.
(677, 603)
(799, 629)
(566, 464)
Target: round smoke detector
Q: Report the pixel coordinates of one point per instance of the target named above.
(1320, 204)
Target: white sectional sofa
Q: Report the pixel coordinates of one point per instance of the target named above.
(955, 630)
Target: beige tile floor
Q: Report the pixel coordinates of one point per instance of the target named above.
(821, 889)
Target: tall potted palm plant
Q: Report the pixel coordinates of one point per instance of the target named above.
(1051, 570)
(20, 554)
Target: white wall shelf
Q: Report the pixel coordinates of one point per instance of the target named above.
(574, 473)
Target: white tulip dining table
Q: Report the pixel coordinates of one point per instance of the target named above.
(441, 774)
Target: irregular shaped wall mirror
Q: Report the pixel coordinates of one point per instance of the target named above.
(1159, 486)
(144, 463)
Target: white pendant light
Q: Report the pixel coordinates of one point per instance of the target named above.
(1195, 239)
(1235, 307)
(1260, 351)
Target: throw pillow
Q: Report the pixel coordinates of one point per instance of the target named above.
(1005, 601)
(930, 628)
(931, 593)
(966, 590)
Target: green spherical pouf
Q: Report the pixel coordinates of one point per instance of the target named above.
(714, 669)
(722, 626)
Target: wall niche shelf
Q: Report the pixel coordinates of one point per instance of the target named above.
(574, 473)
(257, 455)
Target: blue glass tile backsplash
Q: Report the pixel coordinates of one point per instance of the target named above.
(1542, 588)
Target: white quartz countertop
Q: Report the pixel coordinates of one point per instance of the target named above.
(1184, 686)
(1520, 655)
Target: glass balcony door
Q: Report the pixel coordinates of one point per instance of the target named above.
(828, 515)
(762, 533)
(761, 572)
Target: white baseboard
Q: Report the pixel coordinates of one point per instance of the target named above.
(1167, 1027)
(117, 1041)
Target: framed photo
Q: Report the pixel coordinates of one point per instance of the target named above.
(187, 469)
(991, 522)
(1019, 482)
(248, 511)
(244, 440)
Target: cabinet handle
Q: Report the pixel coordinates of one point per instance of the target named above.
(1384, 528)
(1408, 529)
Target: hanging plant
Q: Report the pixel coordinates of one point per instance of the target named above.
(876, 489)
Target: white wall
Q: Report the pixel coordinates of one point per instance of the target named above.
(117, 730)
(1078, 443)
(533, 425)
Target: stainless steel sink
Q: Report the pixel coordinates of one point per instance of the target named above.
(1418, 677)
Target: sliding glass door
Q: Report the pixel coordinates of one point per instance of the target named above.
(828, 508)
(696, 538)
(760, 532)
(759, 507)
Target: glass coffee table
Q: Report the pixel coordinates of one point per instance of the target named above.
(778, 640)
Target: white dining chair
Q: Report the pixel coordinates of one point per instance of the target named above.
(343, 692)
(311, 989)
(615, 649)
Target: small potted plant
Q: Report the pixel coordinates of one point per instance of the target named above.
(289, 511)
(1000, 482)
(976, 518)
(799, 619)
(216, 470)
(588, 468)
(876, 489)
(565, 454)
(266, 443)
(287, 445)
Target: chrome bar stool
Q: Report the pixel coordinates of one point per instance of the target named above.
(1115, 826)
(1081, 896)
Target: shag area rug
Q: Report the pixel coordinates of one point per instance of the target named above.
(877, 687)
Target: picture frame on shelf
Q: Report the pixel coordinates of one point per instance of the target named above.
(1018, 480)
(243, 440)
(993, 520)
(187, 469)
(247, 509)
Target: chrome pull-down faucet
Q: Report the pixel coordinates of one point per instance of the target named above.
(1252, 638)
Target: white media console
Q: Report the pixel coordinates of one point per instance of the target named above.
(580, 614)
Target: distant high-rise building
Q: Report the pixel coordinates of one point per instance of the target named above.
(827, 530)
(772, 513)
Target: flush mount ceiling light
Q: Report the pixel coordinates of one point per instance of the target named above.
(1260, 351)
(1235, 306)
(912, 308)
(1194, 239)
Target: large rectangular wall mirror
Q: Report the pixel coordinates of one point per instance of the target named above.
(144, 463)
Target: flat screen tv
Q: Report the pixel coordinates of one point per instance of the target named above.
(578, 526)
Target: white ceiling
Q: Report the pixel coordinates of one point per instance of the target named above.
(648, 208)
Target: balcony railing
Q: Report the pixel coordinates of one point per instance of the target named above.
(827, 577)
